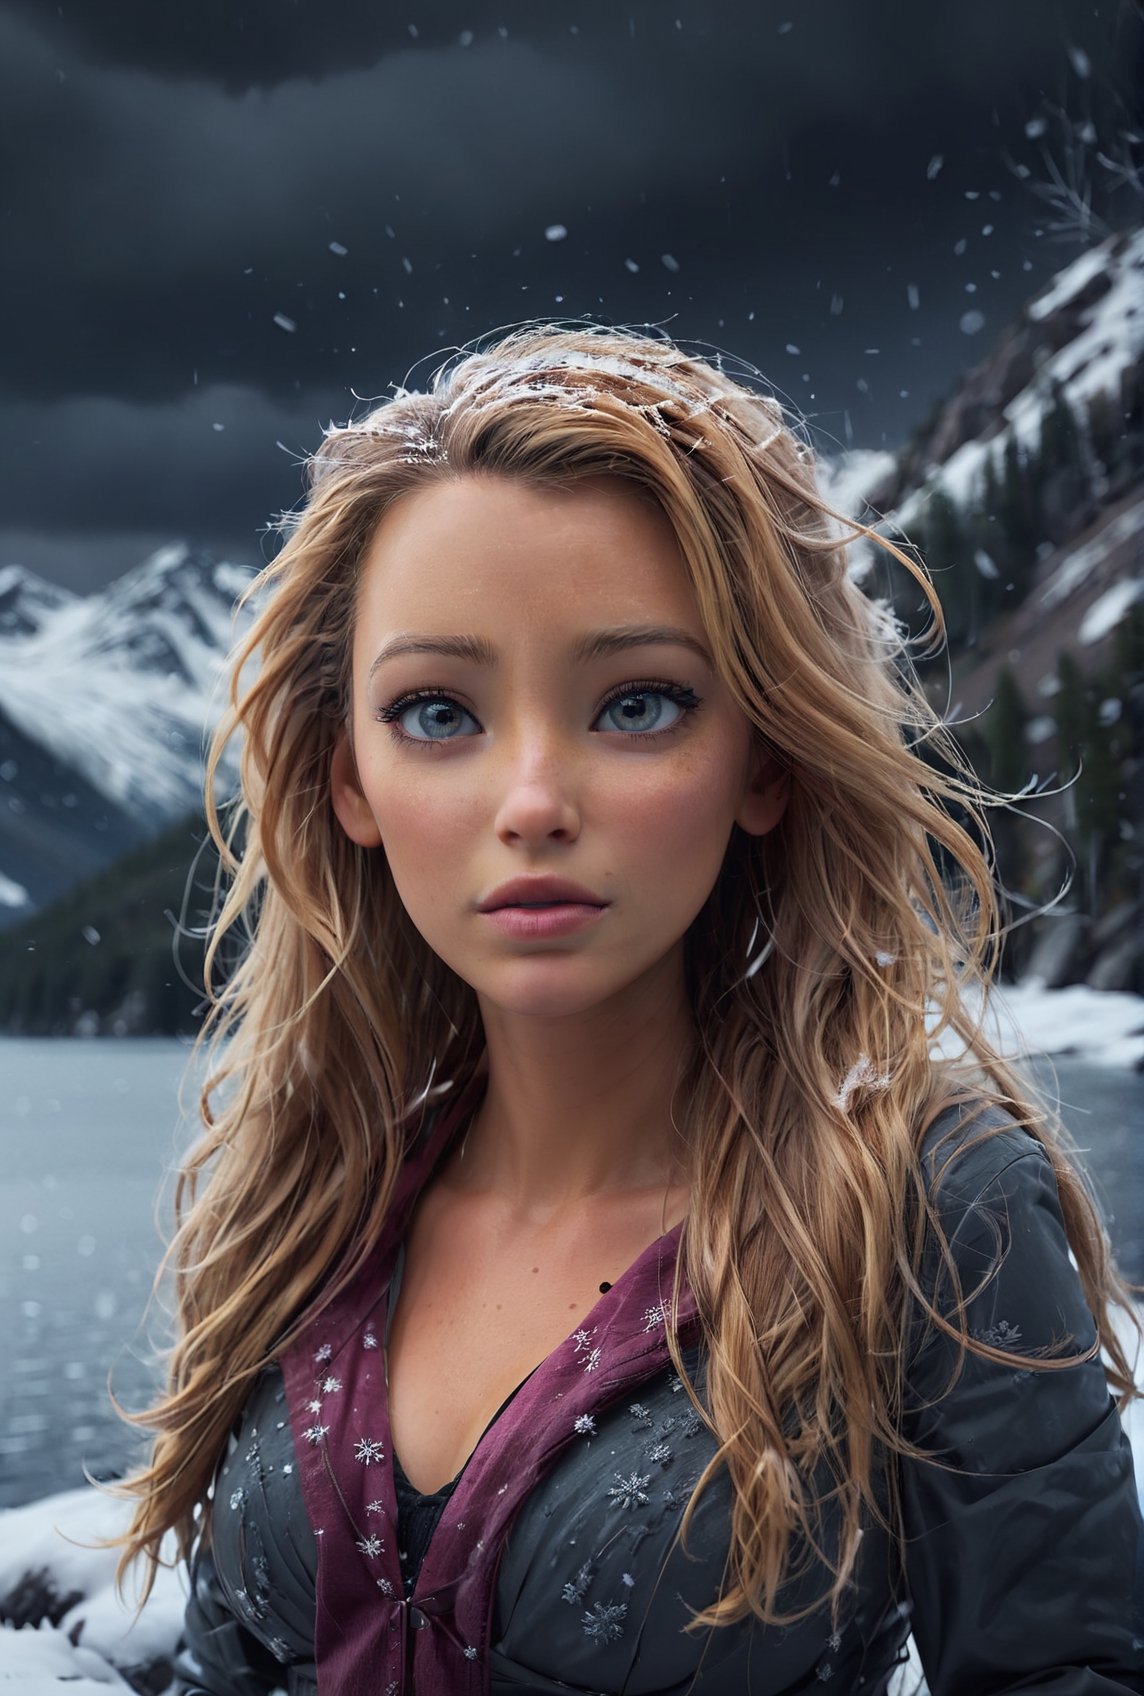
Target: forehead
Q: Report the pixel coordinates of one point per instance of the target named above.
(496, 550)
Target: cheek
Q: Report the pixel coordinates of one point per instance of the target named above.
(424, 826)
(407, 810)
(679, 816)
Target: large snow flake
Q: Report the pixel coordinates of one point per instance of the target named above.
(630, 1492)
(367, 1450)
(605, 1623)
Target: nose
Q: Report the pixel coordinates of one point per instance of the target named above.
(536, 794)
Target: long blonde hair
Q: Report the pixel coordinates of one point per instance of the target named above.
(827, 959)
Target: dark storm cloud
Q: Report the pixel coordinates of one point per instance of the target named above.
(186, 466)
(186, 172)
(263, 43)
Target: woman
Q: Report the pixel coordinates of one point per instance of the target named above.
(590, 1280)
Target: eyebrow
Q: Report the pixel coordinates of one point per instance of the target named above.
(595, 645)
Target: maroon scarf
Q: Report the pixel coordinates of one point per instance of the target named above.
(368, 1639)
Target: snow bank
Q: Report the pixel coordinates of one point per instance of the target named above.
(78, 1630)
(1105, 1027)
(1024, 1020)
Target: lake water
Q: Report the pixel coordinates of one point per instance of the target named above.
(90, 1133)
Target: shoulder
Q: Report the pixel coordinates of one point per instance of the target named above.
(996, 1239)
(968, 1146)
(987, 1181)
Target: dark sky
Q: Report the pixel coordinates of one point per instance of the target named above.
(824, 187)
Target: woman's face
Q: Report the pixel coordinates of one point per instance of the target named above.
(624, 771)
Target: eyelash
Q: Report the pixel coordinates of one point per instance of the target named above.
(681, 694)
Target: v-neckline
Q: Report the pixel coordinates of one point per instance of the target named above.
(394, 1291)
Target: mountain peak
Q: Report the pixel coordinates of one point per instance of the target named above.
(28, 601)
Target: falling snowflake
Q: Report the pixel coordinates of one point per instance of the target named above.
(331, 1386)
(654, 1316)
(592, 1361)
(627, 1580)
(374, 1507)
(692, 1425)
(314, 1406)
(369, 1341)
(584, 1425)
(640, 1414)
(370, 1545)
(367, 1450)
(630, 1492)
(323, 1354)
(315, 1433)
(237, 1497)
(661, 1454)
(574, 1590)
(676, 1385)
(385, 1586)
(582, 1340)
(605, 1623)
(469, 1652)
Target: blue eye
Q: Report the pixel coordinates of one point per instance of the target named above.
(434, 714)
(649, 710)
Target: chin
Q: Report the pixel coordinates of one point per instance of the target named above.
(551, 989)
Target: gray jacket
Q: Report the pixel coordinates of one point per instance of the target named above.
(1021, 1568)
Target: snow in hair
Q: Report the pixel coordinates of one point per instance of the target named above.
(862, 1075)
(496, 379)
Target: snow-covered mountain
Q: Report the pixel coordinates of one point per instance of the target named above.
(106, 705)
(26, 601)
(1084, 330)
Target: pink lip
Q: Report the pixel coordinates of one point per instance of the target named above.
(536, 923)
(528, 891)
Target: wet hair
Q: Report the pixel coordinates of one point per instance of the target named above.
(830, 957)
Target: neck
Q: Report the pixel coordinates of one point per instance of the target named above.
(579, 1107)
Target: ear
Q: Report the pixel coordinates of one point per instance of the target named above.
(353, 811)
(765, 798)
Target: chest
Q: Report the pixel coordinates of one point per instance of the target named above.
(478, 1305)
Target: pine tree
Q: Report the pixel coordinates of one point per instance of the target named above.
(949, 557)
(1064, 468)
(1004, 728)
(990, 529)
(1017, 515)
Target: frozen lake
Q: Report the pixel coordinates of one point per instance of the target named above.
(89, 1135)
